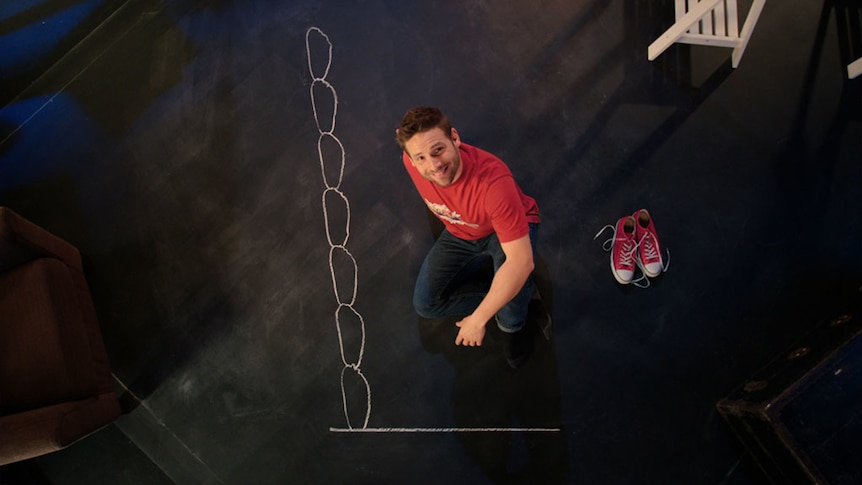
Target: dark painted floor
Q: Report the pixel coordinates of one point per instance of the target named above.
(176, 146)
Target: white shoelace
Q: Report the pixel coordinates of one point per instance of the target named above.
(649, 247)
(626, 255)
(652, 252)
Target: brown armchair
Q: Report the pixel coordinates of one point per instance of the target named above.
(55, 380)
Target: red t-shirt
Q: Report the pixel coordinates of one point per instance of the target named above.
(484, 200)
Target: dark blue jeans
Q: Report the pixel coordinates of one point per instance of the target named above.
(437, 292)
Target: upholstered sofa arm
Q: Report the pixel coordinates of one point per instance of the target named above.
(34, 433)
(22, 241)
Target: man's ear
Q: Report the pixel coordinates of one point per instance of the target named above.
(455, 138)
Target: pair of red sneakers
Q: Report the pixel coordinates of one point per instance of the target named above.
(635, 244)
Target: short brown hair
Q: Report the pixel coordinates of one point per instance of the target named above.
(421, 119)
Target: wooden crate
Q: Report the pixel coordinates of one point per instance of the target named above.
(800, 417)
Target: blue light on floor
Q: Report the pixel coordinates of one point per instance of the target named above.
(10, 9)
(23, 46)
(41, 137)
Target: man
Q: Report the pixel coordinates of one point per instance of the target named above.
(485, 213)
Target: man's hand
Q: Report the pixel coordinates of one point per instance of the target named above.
(472, 332)
(508, 280)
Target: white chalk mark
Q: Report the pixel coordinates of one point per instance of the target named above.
(335, 288)
(344, 396)
(308, 50)
(320, 155)
(328, 132)
(334, 106)
(445, 430)
(338, 324)
(326, 217)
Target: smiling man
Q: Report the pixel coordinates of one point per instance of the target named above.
(485, 214)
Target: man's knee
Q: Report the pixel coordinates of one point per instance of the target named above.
(424, 307)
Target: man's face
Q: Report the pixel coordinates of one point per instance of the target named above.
(435, 154)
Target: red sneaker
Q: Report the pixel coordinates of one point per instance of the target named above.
(649, 255)
(623, 252)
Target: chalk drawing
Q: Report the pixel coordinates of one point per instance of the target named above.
(327, 132)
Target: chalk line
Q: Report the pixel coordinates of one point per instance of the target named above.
(445, 430)
(161, 423)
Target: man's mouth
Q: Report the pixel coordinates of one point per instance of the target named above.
(441, 172)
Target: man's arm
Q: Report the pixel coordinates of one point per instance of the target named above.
(507, 282)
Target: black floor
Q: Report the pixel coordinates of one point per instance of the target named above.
(175, 144)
